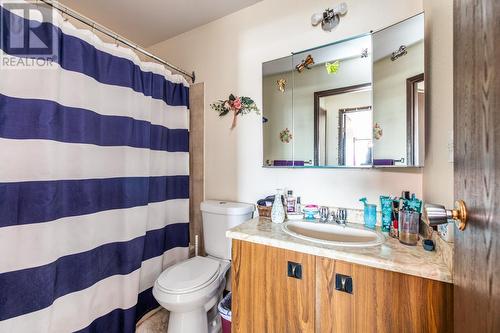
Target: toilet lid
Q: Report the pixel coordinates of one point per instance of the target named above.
(189, 275)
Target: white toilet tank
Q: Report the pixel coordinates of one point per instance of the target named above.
(218, 217)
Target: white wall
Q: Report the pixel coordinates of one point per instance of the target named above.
(227, 55)
(438, 171)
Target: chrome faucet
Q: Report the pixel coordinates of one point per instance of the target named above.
(341, 216)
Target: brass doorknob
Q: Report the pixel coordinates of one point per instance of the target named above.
(438, 214)
(459, 214)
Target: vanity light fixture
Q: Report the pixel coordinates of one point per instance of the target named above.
(330, 18)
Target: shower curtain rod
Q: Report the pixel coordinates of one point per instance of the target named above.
(96, 26)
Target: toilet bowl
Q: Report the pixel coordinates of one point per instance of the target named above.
(191, 288)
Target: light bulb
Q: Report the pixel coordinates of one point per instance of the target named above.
(341, 9)
(316, 19)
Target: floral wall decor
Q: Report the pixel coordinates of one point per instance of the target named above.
(286, 136)
(377, 131)
(238, 105)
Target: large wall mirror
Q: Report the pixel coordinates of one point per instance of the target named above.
(322, 108)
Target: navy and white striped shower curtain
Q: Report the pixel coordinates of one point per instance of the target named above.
(94, 199)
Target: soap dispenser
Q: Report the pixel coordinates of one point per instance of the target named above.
(278, 211)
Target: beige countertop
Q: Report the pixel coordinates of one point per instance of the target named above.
(391, 255)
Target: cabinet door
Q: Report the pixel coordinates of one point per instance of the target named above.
(381, 301)
(265, 299)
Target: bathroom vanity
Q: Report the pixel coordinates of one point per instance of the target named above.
(286, 284)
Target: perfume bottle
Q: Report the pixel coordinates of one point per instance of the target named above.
(298, 207)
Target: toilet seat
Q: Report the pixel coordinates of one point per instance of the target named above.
(189, 276)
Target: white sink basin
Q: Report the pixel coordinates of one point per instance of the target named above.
(333, 234)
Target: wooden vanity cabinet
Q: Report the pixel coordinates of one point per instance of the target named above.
(381, 301)
(265, 299)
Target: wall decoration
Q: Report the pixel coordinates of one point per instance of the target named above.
(286, 136)
(364, 53)
(377, 131)
(305, 64)
(332, 68)
(238, 105)
(281, 85)
(399, 53)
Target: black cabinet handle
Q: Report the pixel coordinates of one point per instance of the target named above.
(295, 270)
(343, 283)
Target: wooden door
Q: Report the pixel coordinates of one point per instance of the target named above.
(477, 164)
(381, 301)
(265, 299)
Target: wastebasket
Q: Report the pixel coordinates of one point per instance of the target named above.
(225, 313)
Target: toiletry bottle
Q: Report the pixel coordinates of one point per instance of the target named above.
(290, 202)
(278, 211)
(393, 232)
(298, 208)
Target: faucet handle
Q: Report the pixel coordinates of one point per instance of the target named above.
(323, 213)
(342, 215)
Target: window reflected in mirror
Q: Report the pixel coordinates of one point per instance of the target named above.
(343, 126)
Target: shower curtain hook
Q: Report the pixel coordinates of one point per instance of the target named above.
(65, 15)
(116, 41)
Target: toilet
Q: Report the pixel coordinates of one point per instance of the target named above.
(191, 289)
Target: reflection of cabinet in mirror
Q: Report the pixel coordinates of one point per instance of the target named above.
(342, 126)
(398, 94)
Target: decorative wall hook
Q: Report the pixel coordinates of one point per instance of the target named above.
(281, 85)
(308, 61)
(399, 53)
(332, 68)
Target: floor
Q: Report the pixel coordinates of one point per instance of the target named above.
(156, 322)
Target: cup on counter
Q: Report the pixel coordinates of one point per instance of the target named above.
(408, 227)
(370, 215)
